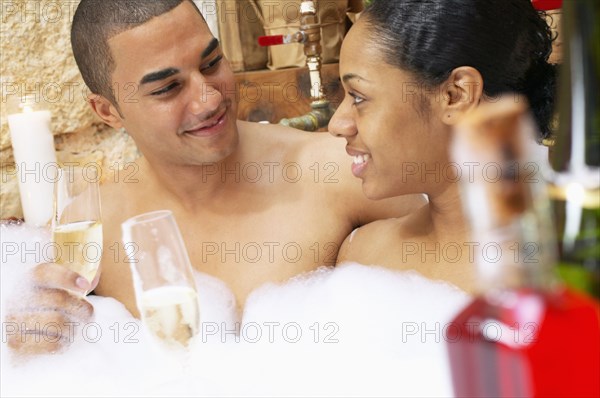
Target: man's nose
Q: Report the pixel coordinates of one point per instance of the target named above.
(204, 96)
(341, 123)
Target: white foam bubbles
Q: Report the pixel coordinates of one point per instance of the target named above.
(367, 331)
(350, 331)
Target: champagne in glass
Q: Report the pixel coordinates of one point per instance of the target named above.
(77, 222)
(163, 278)
(171, 313)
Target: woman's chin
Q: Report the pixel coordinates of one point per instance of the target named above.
(377, 191)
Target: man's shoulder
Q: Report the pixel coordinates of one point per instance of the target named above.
(111, 197)
(281, 143)
(116, 180)
(120, 186)
(276, 134)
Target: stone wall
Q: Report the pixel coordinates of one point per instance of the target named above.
(37, 59)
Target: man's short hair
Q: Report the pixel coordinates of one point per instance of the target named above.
(95, 22)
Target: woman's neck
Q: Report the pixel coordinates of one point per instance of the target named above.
(446, 214)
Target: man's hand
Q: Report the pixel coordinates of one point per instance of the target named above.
(43, 319)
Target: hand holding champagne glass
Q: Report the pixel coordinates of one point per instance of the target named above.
(163, 278)
(77, 222)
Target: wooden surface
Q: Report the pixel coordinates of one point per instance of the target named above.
(272, 95)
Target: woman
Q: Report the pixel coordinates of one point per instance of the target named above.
(411, 69)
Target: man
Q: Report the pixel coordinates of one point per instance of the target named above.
(255, 203)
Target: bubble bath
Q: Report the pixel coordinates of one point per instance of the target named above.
(353, 330)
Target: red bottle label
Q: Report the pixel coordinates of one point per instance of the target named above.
(532, 345)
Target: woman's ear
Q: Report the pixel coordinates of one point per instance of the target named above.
(106, 110)
(462, 92)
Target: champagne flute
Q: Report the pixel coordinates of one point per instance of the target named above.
(77, 222)
(163, 279)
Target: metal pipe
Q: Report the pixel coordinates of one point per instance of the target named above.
(310, 36)
(321, 111)
(311, 29)
(318, 117)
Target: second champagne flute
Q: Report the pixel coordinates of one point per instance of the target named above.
(163, 278)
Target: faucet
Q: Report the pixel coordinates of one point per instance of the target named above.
(309, 35)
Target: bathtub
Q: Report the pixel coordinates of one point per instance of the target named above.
(353, 330)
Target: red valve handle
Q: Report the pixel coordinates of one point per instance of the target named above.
(265, 41)
(298, 37)
(545, 5)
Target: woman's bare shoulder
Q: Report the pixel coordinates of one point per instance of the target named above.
(381, 242)
(371, 242)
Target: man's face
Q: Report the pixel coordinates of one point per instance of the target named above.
(175, 91)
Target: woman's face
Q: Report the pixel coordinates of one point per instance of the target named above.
(391, 123)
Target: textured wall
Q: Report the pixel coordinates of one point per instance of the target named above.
(37, 59)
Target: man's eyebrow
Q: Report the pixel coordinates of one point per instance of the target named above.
(350, 76)
(160, 75)
(212, 46)
(168, 72)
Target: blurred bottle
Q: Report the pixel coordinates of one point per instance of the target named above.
(525, 334)
(575, 155)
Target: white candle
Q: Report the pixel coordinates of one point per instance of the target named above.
(35, 159)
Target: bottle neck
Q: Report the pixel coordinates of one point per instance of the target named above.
(521, 252)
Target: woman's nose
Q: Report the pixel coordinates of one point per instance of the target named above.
(341, 123)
